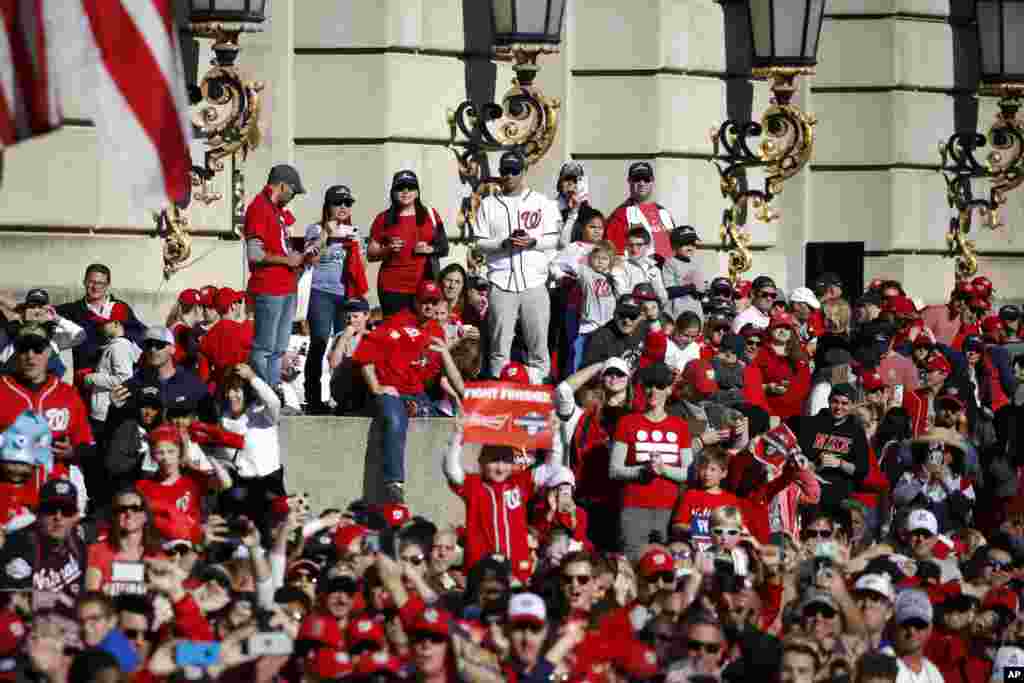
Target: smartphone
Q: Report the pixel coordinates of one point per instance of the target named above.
(196, 653)
(268, 643)
(131, 572)
(371, 543)
(827, 550)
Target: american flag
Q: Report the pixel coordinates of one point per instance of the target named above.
(128, 50)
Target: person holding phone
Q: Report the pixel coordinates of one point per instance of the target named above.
(408, 239)
(115, 563)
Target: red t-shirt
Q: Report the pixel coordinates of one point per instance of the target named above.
(58, 402)
(496, 519)
(694, 511)
(399, 353)
(101, 556)
(402, 272)
(183, 497)
(669, 439)
(266, 221)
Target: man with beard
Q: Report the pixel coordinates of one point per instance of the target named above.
(51, 551)
(837, 446)
(623, 337)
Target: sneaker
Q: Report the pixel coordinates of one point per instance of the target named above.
(394, 492)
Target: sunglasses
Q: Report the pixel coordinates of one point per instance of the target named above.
(627, 316)
(414, 560)
(693, 645)
(820, 610)
(304, 576)
(178, 550)
(151, 344)
(578, 579)
(999, 565)
(435, 638)
(135, 634)
(405, 188)
(663, 577)
(63, 509)
(816, 533)
(34, 344)
(347, 203)
(769, 295)
(121, 509)
(916, 624)
(510, 172)
(754, 341)
(641, 179)
(720, 531)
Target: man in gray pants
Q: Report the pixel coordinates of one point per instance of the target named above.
(518, 232)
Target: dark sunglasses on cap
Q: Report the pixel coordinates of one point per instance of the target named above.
(64, 509)
(694, 645)
(819, 610)
(33, 344)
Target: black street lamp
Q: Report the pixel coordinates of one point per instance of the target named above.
(527, 21)
(242, 11)
(1000, 25)
(784, 43)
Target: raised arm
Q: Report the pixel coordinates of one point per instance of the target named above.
(452, 464)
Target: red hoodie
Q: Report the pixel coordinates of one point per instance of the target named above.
(775, 368)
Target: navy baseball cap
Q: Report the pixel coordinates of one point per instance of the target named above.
(640, 169)
(357, 305)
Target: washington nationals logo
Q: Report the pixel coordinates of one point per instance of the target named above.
(528, 220)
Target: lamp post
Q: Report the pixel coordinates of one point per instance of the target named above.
(1000, 25)
(526, 121)
(784, 38)
(226, 108)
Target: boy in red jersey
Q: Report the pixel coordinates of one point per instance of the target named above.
(694, 511)
(496, 502)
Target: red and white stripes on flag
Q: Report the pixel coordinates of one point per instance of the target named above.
(126, 52)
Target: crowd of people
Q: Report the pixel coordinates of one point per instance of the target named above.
(823, 486)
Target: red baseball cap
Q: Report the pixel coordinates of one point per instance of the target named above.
(428, 291)
(190, 297)
(365, 630)
(900, 305)
(700, 374)
(279, 507)
(320, 628)
(207, 295)
(432, 620)
(654, 562)
(165, 432)
(226, 298)
(655, 348)
(12, 631)
(743, 289)
(396, 514)
(872, 381)
(938, 362)
(329, 663)
(515, 372)
(1001, 597)
(633, 658)
(982, 286)
(344, 536)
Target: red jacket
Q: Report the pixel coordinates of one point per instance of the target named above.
(399, 352)
(875, 484)
(916, 404)
(775, 368)
(354, 275)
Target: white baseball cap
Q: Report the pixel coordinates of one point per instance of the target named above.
(561, 476)
(619, 364)
(922, 519)
(803, 295)
(527, 607)
(876, 583)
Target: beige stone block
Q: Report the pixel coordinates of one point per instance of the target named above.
(327, 23)
(429, 86)
(342, 96)
(922, 53)
(611, 34)
(850, 207)
(920, 215)
(615, 115)
(33, 170)
(919, 121)
(693, 35)
(442, 25)
(855, 53)
(853, 128)
(937, 8)
(689, 107)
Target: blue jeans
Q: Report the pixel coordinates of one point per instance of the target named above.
(394, 420)
(273, 329)
(326, 316)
